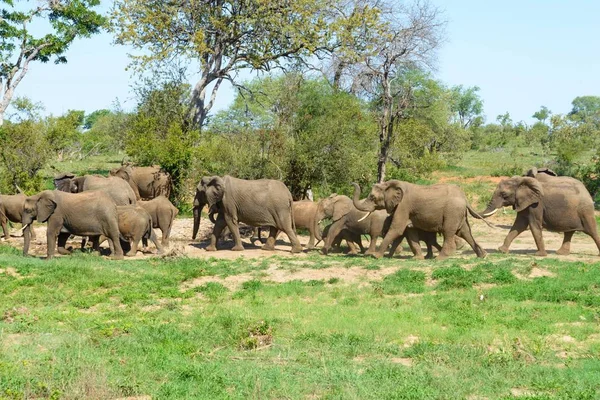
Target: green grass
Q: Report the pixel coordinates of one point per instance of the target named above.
(85, 327)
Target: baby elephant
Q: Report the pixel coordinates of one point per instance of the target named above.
(135, 224)
(163, 213)
(11, 209)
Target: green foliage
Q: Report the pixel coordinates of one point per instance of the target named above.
(63, 21)
(106, 133)
(569, 139)
(23, 153)
(64, 133)
(158, 132)
(467, 106)
(91, 119)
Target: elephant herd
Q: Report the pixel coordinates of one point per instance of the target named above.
(396, 210)
(124, 207)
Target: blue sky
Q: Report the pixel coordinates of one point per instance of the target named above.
(522, 54)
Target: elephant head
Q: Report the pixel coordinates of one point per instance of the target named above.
(67, 182)
(383, 196)
(518, 192)
(39, 207)
(335, 207)
(210, 190)
(124, 172)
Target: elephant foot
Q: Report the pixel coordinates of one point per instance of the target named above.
(503, 249)
(267, 247)
(377, 255)
(563, 252)
(238, 247)
(442, 256)
(325, 251)
(131, 253)
(297, 249)
(63, 251)
(429, 256)
(118, 257)
(482, 254)
(541, 253)
(418, 257)
(211, 248)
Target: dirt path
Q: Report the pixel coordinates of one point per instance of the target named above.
(582, 248)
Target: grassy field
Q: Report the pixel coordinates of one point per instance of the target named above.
(84, 327)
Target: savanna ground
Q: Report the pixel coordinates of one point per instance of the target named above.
(193, 324)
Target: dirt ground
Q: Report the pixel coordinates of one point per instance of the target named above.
(582, 247)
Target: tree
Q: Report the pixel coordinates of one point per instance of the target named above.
(93, 117)
(222, 36)
(66, 20)
(468, 106)
(586, 109)
(64, 132)
(407, 42)
(542, 115)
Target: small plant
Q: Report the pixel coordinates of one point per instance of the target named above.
(257, 335)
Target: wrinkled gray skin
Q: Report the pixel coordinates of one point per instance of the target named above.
(256, 230)
(83, 214)
(436, 208)
(135, 224)
(305, 216)
(558, 204)
(163, 213)
(11, 209)
(353, 240)
(147, 183)
(346, 222)
(117, 188)
(253, 202)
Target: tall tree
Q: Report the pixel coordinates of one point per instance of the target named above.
(542, 115)
(586, 109)
(222, 36)
(407, 41)
(467, 105)
(65, 21)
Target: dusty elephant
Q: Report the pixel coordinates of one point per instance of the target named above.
(146, 182)
(11, 209)
(435, 208)
(84, 214)
(163, 213)
(116, 188)
(253, 202)
(135, 224)
(305, 216)
(558, 204)
(346, 218)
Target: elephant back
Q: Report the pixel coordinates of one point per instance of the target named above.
(117, 188)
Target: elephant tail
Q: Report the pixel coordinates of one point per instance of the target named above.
(474, 214)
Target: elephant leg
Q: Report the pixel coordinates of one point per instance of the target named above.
(372, 245)
(535, 225)
(216, 234)
(565, 249)
(351, 241)
(154, 239)
(51, 237)
(62, 243)
(465, 233)
(395, 244)
(590, 227)
(518, 227)
(84, 240)
(232, 224)
(389, 238)
(311, 240)
(448, 247)
(334, 231)
(133, 247)
(270, 245)
(5, 228)
(412, 238)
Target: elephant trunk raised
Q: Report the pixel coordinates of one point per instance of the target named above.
(363, 205)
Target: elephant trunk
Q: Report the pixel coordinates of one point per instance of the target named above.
(197, 211)
(361, 205)
(27, 239)
(491, 209)
(316, 229)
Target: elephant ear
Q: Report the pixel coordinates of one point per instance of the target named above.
(529, 192)
(393, 195)
(45, 207)
(215, 190)
(62, 182)
(123, 174)
(532, 172)
(341, 206)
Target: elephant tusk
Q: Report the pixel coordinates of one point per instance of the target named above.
(490, 213)
(366, 215)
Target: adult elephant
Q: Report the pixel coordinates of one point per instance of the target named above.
(435, 208)
(116, 188)
(253, 202)
(349, 222)
(146, 182)
(85, 214)
(553, 203)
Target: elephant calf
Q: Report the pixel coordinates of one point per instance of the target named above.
(305, 216)
(163, 213)
(11, 209)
